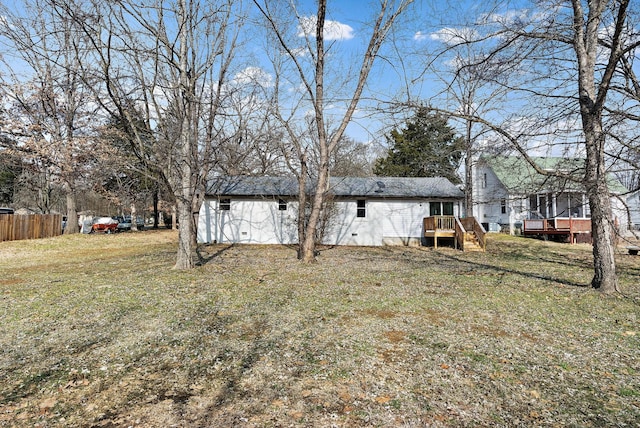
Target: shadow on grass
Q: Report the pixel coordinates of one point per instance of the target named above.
(204, 257)
(504, 270)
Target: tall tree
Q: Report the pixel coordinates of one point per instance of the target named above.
(563, 58)
(173, 61)
(49, 103)
(426, 147)
(309, 61)
(473, 87)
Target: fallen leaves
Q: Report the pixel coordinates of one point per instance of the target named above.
(46, 405)
(382, 399)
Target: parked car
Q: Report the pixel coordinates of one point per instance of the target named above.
(4, 210)
(125, 223)
(104, 224)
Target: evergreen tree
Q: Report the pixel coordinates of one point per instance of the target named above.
(10, 169)
(426, 147)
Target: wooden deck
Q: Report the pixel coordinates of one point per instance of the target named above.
(566, 228)
(467, 233)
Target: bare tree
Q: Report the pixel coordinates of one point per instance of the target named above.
(50, 105)
(171, 62)
(311, 76)
(562, 59)
(473, 93)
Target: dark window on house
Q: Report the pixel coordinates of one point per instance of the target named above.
(225, 204)
(440, 208)
(282, 205)
(362, 211)
(503, 206)
(484, 180)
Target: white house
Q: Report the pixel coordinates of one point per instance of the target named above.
(363, 211)
(508, 190)
(633, 204)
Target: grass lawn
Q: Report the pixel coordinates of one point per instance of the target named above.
(99, 331)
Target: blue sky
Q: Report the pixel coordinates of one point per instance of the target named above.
(394, 78)
(346, 29)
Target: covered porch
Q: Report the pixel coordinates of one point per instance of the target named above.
(566, 204)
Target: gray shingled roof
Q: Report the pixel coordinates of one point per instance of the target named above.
(379, 187)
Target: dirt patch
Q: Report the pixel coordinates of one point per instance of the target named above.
(395, 336)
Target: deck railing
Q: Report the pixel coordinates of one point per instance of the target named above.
(471, 224)
(568, 224)
(459, 228)
(439, 222)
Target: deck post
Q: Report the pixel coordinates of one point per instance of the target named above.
(571, 237)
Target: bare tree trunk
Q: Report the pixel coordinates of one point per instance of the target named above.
(134, 218)
(174, 217)
(155, 208)
(317, 204)
(72, 210)
(592, 98)
(468, 172)
(603, 234)
(185, 190)
(302, 206)
(184, 259)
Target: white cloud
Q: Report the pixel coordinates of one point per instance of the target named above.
(454, 36)
(420, 36)
(508, 18)
(254, 75)
(333, 30)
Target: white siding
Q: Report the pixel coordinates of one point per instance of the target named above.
(488, 192)
(248, 221)
(258, 221)
(387, 222)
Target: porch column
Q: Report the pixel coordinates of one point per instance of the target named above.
(554, 205)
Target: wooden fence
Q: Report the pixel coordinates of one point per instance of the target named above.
(14, 227)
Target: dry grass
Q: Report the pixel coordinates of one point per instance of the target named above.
(99, 331)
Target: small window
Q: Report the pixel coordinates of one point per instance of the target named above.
(282, 205)
(362, 211)
(225, 204)
(447, 208)
(484, 180)
(503, 206)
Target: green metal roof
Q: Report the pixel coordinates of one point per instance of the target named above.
(517, 175)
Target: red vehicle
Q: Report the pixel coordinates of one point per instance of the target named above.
(105, 225)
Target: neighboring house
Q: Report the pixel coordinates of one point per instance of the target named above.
(362, 211)
(633, 203)
(508, 190)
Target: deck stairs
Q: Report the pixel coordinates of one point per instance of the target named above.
(467, 233)
(471, 242)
